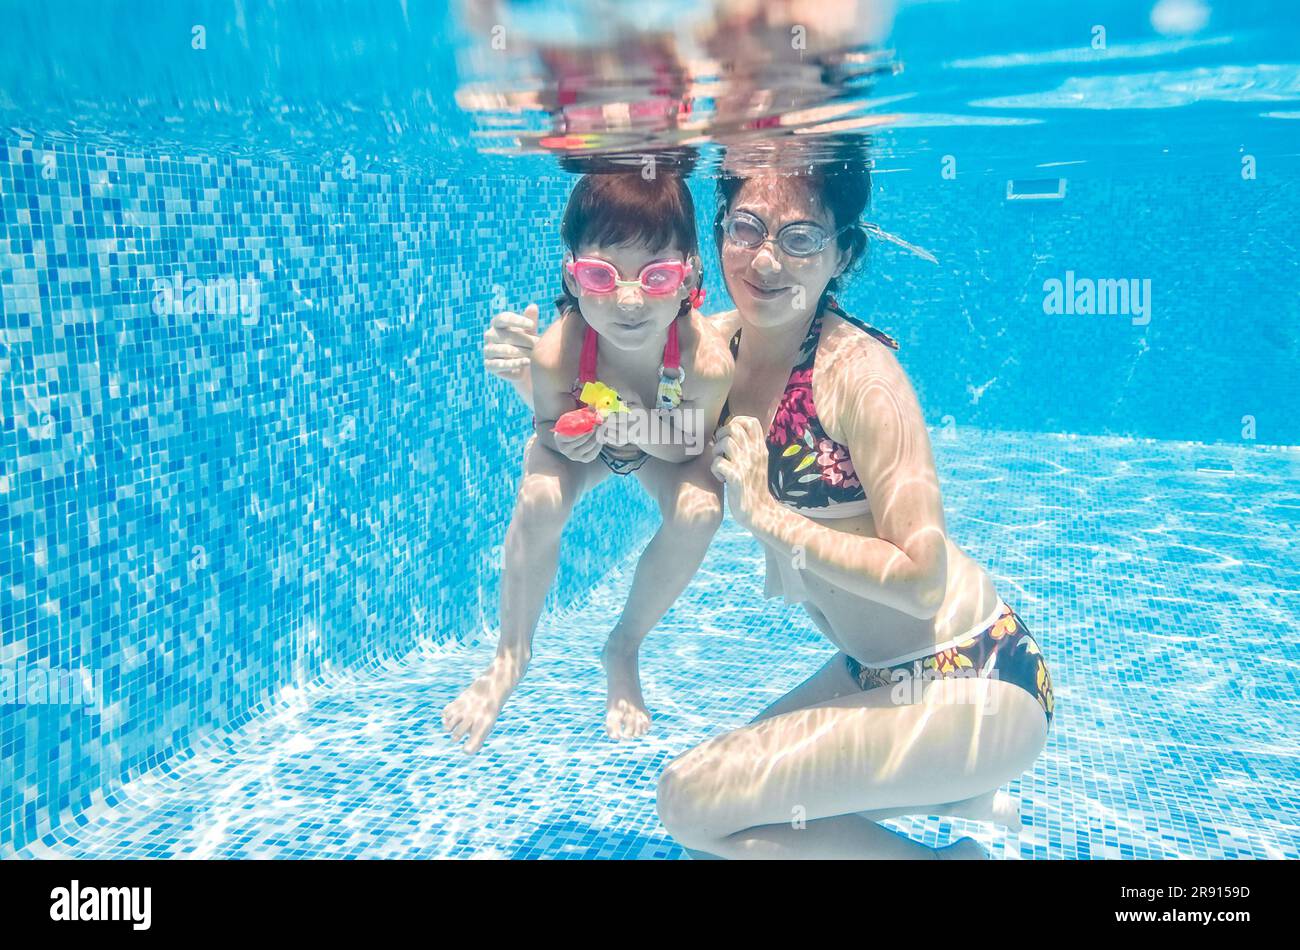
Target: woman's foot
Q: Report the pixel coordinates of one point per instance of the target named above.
(473, 714)
(626, 716)
(963, 849)
(996, 806)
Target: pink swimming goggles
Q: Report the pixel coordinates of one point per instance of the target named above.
(601, 277)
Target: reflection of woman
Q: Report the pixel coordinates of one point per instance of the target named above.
(938, 694)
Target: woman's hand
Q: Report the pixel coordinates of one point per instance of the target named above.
(508, 343)
(740, 462)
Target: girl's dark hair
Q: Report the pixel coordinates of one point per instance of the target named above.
(679, 160)
(843, 184)
(627, 208)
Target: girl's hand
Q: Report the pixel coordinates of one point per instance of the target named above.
(740, 462)
(616, 428)
(508, 343)
(579, 448)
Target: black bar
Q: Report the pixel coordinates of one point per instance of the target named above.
(1017, 900)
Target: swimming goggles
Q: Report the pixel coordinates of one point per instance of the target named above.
(601, 277)
(796, 240)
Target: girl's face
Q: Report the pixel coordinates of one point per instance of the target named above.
(629, 317)
(771, 288)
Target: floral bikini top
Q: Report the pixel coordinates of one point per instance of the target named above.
(806, 469)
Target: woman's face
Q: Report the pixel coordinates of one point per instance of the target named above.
(769, 287)
(629, 317)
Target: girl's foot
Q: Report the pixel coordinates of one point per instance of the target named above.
(473, 714)
(626, 716)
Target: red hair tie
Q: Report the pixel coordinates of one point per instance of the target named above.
(697, 297)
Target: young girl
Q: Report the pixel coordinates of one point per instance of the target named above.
(627, 325)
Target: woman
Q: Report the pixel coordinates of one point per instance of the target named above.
(938, 695)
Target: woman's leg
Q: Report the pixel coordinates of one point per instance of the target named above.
(792, 785)
(831, 681)
(551, 486)
(690, 505)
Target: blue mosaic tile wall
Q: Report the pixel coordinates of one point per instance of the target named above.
(308, 472)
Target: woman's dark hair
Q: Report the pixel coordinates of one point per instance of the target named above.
(627, 208)
(842, 182)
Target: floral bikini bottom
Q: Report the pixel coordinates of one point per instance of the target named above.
(1003, 650)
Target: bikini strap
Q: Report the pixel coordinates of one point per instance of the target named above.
(669, 395)
(587, 361)
(879, 335)
(672, 354)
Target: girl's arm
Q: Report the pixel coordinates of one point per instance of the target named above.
(552, 368)
(906, 566)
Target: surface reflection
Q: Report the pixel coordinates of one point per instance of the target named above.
(588, 79)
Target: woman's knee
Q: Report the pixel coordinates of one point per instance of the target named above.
(677, 801)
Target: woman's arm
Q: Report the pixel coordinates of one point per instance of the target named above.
(905, 567)
(508, 349)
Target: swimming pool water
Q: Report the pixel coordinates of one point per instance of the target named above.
(266, 534)
(1167, 627)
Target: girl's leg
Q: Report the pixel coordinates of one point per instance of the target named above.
(792, 785)
(690, 504)
(551, 486)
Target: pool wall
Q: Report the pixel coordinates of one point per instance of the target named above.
(201, 509)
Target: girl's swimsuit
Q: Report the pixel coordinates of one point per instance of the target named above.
(621, 460)
(811, 473)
